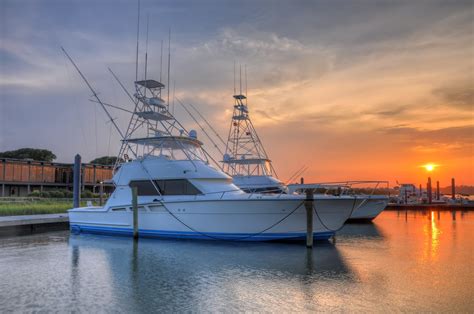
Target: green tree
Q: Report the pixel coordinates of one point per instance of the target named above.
(30, 153)
(105, 160)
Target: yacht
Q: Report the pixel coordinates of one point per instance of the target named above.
(181, 195)
(247, 161)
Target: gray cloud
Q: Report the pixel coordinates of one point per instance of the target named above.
(459, 95)
(309, 63)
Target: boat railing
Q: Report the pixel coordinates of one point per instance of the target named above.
(250, 195)
(343, 187)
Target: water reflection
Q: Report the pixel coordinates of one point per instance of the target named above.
(400, 262)
(368, 231)
(161, 273)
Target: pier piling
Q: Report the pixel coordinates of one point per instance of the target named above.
(135, 211)
(453, 189)
(101, 193)
(429, 191)
(308, 203)
(437, 191)
(77, 181)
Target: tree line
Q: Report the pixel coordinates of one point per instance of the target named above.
(38, 154)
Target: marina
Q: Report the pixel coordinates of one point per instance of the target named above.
(397, 263)
(334, 175)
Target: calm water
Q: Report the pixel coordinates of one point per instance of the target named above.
(414, 262)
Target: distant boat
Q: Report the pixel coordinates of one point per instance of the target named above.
(251, 168)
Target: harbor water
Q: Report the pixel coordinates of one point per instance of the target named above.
(403, 261)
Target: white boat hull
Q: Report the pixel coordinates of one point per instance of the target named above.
(370, 208)
(226, 219)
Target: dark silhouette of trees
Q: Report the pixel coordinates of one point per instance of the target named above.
(105, 160)
(30, 153)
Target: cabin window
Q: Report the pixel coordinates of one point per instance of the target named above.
(166, 187)
(145, 188)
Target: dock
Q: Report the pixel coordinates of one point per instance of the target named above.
(449, 207)
(28, 224)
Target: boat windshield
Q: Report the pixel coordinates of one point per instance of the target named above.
(170, 147)
(184, 151)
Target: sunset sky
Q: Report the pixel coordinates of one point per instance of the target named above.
(356, 90)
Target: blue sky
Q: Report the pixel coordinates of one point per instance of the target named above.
(378, 83)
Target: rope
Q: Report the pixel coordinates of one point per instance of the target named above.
(324, 225)
(202, 233)
(235, 239)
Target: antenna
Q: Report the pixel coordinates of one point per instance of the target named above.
(161, 60)
(234, 79)
(138, 38)
(146, 48)
(174, 91)
(169, 66)
(146, 45)
(240, 79)
(245, 68)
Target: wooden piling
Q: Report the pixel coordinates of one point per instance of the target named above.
(437, 190)
(77, 181)
(430, 195)
(101, 193)
(135, 211)
(453, 189)
(308, 204)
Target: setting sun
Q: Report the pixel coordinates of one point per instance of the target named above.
(429, 167)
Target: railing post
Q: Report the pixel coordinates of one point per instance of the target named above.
(308, 203)
(135, 211)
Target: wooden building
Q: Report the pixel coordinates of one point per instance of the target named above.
(21, 177)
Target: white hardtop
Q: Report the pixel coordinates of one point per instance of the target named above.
(162, 168)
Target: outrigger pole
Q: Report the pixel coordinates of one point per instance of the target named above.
(200, 126)
(208, 124)
(93, 93)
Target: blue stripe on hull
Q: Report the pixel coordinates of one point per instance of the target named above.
(194, 235)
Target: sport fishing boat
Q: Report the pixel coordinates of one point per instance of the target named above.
(247, 161)
(181, 195)
(367, 208)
